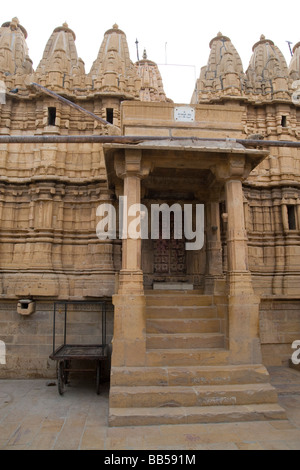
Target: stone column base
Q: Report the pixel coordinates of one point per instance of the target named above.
(129, 341)
(243, 312)
(131, 282)
(214, 285)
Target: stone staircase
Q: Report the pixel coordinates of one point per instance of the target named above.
(187, 378)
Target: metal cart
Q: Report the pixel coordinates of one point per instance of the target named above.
(66, 353)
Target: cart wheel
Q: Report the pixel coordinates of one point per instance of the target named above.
(98, 378)
(61, 378)
(66, 372)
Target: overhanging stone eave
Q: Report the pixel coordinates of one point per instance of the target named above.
(162, 152)
(189, 144)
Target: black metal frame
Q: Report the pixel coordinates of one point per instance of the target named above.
(68, 352)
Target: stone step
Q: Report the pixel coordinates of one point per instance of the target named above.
(172, 292)
(186, 340)
(165, 312)
(199, 396)
(182, 325)
(184, 300)
(187, 357)
(189, 375)
(194, 415)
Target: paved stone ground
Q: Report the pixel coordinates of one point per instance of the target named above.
(34, 417)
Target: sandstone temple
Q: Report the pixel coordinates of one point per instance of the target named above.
(191, 332)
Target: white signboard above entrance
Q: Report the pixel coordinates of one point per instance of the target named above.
(184, 114)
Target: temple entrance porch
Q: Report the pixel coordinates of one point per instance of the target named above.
(194, 355)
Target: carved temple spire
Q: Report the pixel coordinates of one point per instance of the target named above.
(149, 81)
(113, 70)
(14, 58)
(223, 76)
(60, 60)
(294, 68)
(60, 53)
(267, 74)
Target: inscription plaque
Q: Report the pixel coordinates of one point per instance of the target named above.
(184, 114)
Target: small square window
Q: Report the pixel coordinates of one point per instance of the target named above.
(284, 121)
(51, 116)
(292, 217)
(110, 115)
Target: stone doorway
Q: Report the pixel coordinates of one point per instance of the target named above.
(169, 254)
(165, 260)
(169, 258)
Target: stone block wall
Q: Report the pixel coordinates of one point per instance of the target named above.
(273, 242)
(29, 339)
(279, 328)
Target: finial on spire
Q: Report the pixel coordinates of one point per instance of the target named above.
(65, 25)
(115, 26)
(262, 41)
(145, 54)
(219, 34)
(14, 23)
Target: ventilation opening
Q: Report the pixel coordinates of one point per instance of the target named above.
(292, 217)
(110, 115)
(51, 116)
(284, 121)
(223, 221)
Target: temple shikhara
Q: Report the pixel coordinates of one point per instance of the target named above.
(190, 332)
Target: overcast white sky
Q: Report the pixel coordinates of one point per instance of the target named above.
(172, 31)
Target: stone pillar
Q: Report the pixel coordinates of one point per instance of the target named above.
(129, 342)
(214, 269)
(298, 212)
(131, 275)
(285, 218)
(243, 305)
(236, 236)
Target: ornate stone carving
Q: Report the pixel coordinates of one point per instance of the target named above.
(294, 68)
(14, 58)
(223, 75)
(267, 74)
(60, 62)
(149, 82)
(113, 71)
(49, 194)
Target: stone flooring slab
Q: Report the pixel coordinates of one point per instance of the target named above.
(33, 416)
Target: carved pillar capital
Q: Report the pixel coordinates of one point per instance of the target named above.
(235, 166)
(131, 164)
